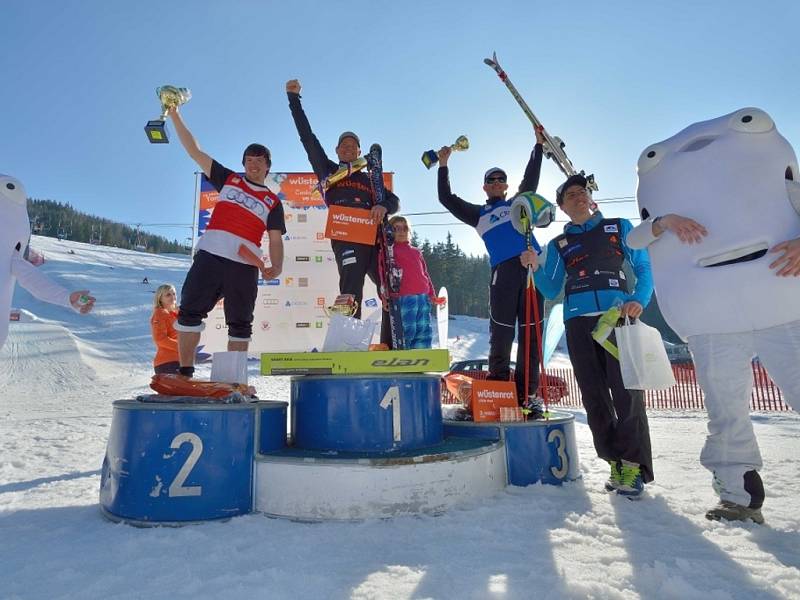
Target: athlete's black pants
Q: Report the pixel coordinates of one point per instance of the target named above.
(616, 416)
(355, 262)
(507, 314)
(210, 278)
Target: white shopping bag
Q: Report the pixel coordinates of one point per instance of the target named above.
(346, 334)
(642, 357)
(229, 367)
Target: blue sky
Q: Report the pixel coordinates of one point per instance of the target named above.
(608, 77)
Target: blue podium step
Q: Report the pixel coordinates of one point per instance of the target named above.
(366, 413)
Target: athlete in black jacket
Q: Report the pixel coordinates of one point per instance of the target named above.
(354, 261)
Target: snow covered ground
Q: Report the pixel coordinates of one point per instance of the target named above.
(59, 373)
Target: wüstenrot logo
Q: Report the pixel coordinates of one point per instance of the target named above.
(342, 218)
(491, 394)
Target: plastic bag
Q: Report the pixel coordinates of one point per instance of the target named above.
(642, 357)
(346, 334)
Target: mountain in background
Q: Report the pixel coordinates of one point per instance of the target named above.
(54, 219)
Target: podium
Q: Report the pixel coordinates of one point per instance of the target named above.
(367, 440)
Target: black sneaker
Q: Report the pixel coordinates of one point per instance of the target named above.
(533, 408)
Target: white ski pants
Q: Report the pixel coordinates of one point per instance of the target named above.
(723, 369)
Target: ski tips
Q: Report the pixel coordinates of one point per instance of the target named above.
(491, 61)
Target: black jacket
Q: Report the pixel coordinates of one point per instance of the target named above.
(354, 191)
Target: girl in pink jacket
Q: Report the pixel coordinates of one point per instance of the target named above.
(416, 288)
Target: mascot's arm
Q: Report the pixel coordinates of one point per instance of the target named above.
(645, 233)
(642, 235)
(36, 283)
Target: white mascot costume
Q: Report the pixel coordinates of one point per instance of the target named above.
(737, 177)
(14, 234)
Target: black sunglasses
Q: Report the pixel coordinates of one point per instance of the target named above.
(495, 180)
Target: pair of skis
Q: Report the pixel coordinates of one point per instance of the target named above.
(553, 146)
(389, 274)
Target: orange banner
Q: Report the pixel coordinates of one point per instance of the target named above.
(488, 397)
(351, 224)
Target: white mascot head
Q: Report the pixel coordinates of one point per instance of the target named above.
(14, 226)
(739, 178)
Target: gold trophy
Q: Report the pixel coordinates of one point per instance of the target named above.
(344, 305)
(170, 97)
(431, 157)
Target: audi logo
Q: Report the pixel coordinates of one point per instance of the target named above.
(250, 203)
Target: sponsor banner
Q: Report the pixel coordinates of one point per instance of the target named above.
(488, 397)
(289, 312)
(355, 363)
(351, 225)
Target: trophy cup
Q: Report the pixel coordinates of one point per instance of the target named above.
(431, 157)
(170, 97)
(344, 305)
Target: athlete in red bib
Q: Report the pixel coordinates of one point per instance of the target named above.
(245, 210)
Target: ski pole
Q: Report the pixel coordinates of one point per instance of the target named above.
(530, 299)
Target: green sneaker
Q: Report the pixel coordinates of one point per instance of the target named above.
(632, 485)
(615, 478)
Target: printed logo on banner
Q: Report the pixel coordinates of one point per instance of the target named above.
(295, 303)
(371, 302)
(302, 325)
(306, 219)
(265, 326)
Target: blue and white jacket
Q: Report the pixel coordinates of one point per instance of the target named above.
(493, 219)
(597, 298)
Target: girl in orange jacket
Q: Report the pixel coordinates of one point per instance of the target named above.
(162, 327)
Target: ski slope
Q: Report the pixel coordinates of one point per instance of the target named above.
(59, 373)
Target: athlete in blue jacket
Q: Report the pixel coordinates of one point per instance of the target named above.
(586, 261)
(507, 288)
